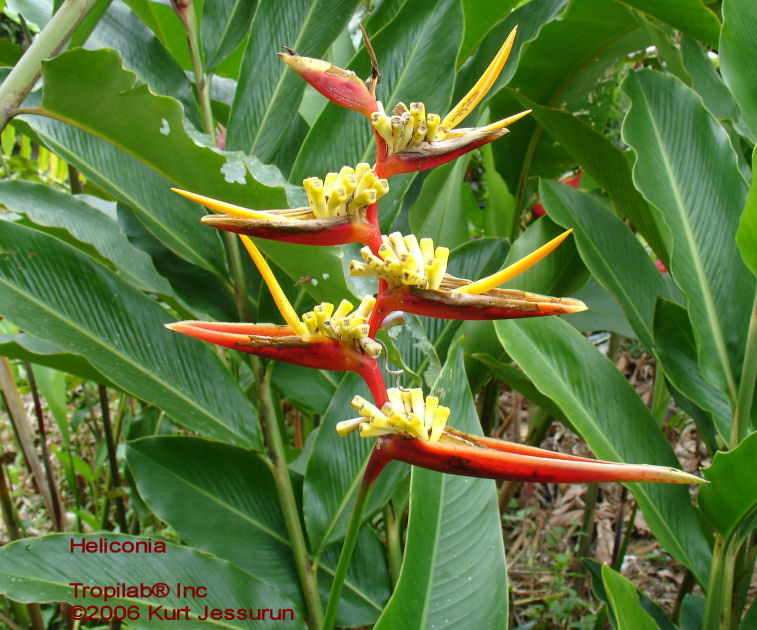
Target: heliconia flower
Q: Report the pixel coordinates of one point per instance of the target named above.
(412, 140)
(342, 209)
(326, 338)
(538, 209)
(409, 139)
(414, 280)
(343, 87)
(413, 430)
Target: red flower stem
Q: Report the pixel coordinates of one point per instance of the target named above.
(375, 465)
(371, 374)
(379, 309)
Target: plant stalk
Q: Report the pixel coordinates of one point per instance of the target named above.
(48, 43)
(115, 478)
(742, 413)
(308, 578)
(392, 522)
(375, 465)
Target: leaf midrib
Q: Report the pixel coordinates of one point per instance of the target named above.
(111, 350)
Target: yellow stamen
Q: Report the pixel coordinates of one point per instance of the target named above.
(231, 209)
(283, 304)
(490, 282)
(483, 85)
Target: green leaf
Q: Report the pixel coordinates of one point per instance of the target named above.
(222, 499)
(29, 348)
(334, 471)
(480, 17)
(438, 212)
(266, 99)
(610, 251)
(686, 167)
(92, 90)
(64, 297)
(746, 236)
(416, 54)
(224, 25)
(43, 570)
(453, 573)
(731, 496)
(612, 419)
(687, 16)
(46, 206)
(738, 45)
(604, 313)
(625, 603)
(675, 350)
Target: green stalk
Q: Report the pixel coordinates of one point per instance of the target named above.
(717, 612)
(48, 43)
(189, 18)
(110, 443)
(392, 522)
(280, 470)
(364, 491)
(742, 413)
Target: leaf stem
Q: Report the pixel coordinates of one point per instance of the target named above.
(285, 492)
(742, 413)
(48, 43)
(375, 465)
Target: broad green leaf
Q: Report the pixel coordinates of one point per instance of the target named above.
(738, 47)
(604, 312)
(687, 16)
(224, 25)
(29, 348)
(625, 603)
(731, 496)
(304, 387)
(707, 82)
(44, 205)
(62, 296)
(480, 17)
(145, 54)
(501, 211)
(609, 415)
(92, 90)
(416, 53)
(600, 592)
(675, 350)
(171, 219)
(610, 251)
(43, 570)
(266, 99)
(334, 471)
(453, 574)
(608, 166)
(438, 212)
(686, 167)
(746, 236)
(52, 387)
(222, 499)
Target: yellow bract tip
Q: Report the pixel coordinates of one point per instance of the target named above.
(229, 208)
(493, 281)
(483, 85)
(283, 304)
(505, 122)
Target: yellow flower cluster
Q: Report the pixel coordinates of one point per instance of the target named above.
(344, 323)
(406, 127)
(404, 260)
(406, 413)
(344, 193)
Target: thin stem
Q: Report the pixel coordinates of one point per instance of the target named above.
(587, 528)
(392, 522)
(189, 19)
(237, 272)
(375, 465)
(743, 411)
(48, 43)
(115, 479)
(57, 513)
(280, 470)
